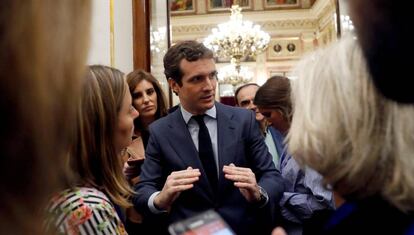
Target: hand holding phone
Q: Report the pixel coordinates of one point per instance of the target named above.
(206, 223)
(135, 162)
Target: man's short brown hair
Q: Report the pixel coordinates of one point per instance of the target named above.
(190, 50)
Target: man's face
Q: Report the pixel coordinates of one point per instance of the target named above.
(245, 99)
(197, 92)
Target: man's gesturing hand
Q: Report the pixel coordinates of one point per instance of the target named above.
(245, 180)
(176, 182)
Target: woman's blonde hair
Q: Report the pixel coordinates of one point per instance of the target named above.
(43, 46)
(94, 157)
(361, 142)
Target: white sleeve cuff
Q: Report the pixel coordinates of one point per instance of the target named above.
(151, 205)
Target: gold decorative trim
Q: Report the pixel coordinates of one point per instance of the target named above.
(268, 25)
(111, 32)
(289, 24)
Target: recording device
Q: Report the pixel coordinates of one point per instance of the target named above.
(206, 223)
(136, 162)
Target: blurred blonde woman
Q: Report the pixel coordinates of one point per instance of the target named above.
(361, 142)
(39, 85)
(104, 129)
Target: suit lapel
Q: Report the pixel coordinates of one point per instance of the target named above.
(186, 152)
(226, 138)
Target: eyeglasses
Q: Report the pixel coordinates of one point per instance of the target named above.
(246, 103)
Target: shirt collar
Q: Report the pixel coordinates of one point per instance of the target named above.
(187, 115)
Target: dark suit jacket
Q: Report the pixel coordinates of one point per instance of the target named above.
(372, 215)
(170, 148)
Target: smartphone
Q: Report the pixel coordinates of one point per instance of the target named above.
(206, 223)
(136, 162)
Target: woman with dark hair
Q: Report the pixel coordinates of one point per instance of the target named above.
(92, 204)
(149, 99)
(273, 101)
(305, 198)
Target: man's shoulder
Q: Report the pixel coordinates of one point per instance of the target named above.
(232, 110)
(166, 121)
(162, 122)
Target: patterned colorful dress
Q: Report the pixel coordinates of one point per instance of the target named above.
(83, 210)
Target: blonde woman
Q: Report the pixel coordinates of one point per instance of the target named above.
(39, 85)
(361, 142)
(104, 129)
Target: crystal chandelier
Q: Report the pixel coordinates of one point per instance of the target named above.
(346, 24)
(236, 38)
(230, 75)
(157, 40)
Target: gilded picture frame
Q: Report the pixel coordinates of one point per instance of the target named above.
(179, 7)
(271, 4)
(225, 5)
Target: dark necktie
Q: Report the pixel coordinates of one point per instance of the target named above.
(205, 152)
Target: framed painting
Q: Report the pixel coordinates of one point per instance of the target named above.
(182, 6)
(269, 4)
(279, 71)
(223, 5)
(227, 60)
(284, 48)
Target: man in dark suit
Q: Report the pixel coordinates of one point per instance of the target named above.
(180, 178)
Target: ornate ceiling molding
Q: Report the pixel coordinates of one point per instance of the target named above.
(289, 24)
(267, 25)
(193, 29)
(326, 15)
(328, 9)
